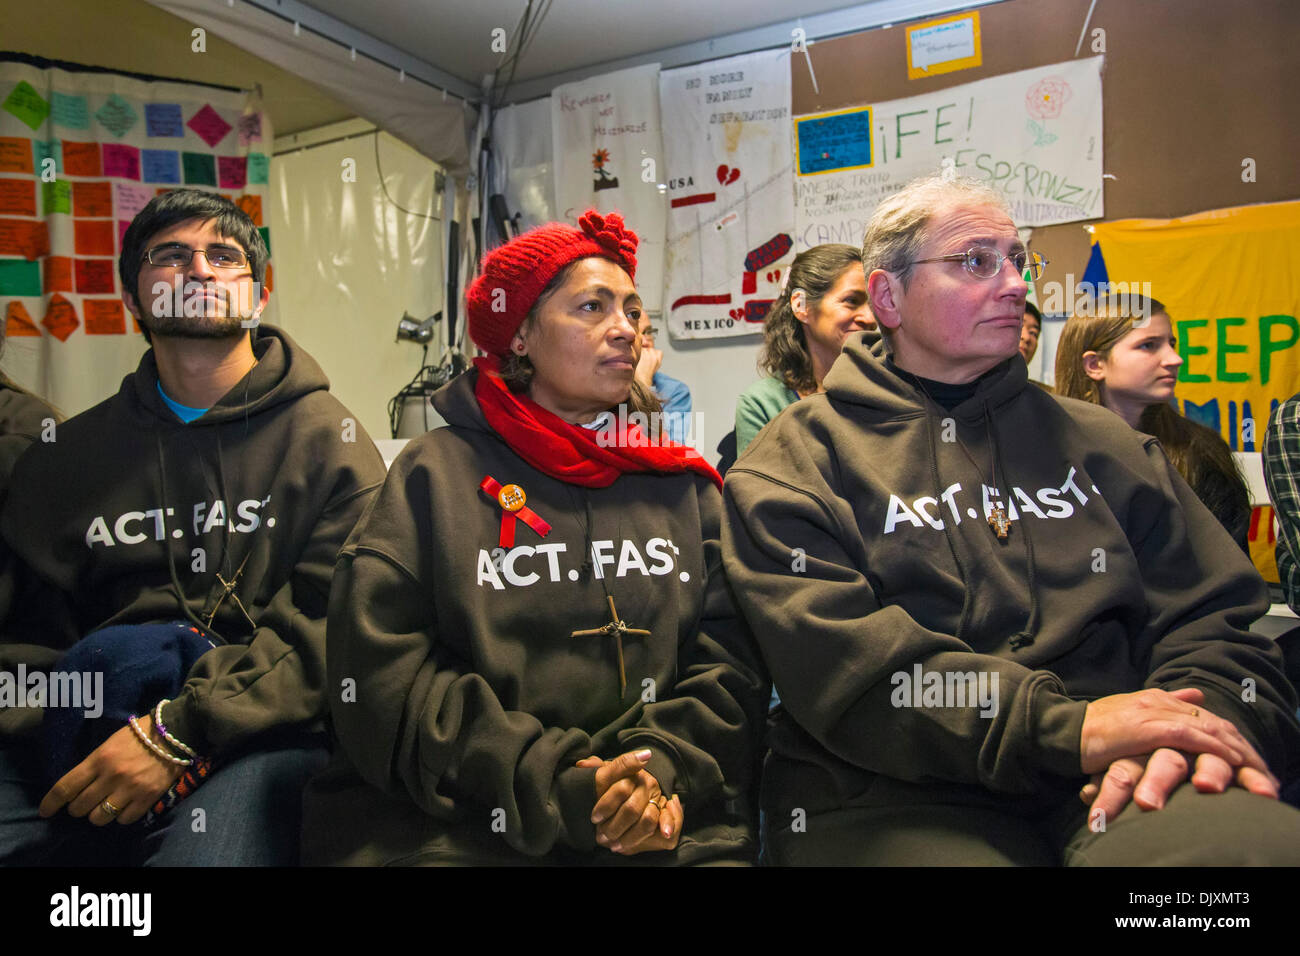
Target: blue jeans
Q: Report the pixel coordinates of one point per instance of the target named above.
(251, 816)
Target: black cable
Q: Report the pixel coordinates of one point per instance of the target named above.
(383, 185)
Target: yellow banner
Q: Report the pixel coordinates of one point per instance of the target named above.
(1230, 279)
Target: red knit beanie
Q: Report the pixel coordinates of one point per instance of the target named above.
(514, 275)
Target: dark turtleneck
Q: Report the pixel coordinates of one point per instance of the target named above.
(947, 395)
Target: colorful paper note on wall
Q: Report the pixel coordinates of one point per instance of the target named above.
(57, 274)
(93, 237)
(160, 166)
(60, 318)
(164, 119)
(116, 115)
(104, 316)
(47, 149)
(200, 169)
(56, 197)
(92, 200)
(131, 199)
(29, 238)
(18, 321)
(121, 162)
(232, 172)
(20, 277)
(69, 111)
(25, 103)
(95, 276)
(209, 126)
(15, 154)
(17, 197)
(259, 168)
(943, 46)
(81, 159)
(250, 128)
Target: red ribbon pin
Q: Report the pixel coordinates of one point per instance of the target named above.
(511, 498)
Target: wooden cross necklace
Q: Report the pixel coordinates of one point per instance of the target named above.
(616, 628)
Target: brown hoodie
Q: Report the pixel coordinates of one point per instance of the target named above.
(472, 701)
(857, 543)
(129, 512)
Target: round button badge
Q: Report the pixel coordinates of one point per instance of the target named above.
(511, 497)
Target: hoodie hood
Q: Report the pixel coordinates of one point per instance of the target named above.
(862, 377)
(283, 373)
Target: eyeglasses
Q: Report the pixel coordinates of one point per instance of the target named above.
(985, 262)
(178, 257)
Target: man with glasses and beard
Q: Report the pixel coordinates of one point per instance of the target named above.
(172, 551)
(1005, 630)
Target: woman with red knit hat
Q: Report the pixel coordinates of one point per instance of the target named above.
(535, 652)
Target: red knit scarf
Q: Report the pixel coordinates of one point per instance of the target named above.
(571, 452)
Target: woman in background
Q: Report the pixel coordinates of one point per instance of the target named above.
(823, 302)
(1117, 359)
(22, 418)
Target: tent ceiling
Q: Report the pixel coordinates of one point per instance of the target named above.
(456, 35)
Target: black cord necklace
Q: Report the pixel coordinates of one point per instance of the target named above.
(997, 519)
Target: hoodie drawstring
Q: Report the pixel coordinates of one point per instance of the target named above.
(1026, 635)
(967, 606)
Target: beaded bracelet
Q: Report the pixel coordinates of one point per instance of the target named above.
(157, 751)
(162, 729)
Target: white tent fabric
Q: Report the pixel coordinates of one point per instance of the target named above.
(411, 111)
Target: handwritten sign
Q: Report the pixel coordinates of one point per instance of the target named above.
(1048, 162)
(834, 141)
(164, 119)
(69, 111)
(209, 126)
(25, 103)
(942, 46)
(116, 115)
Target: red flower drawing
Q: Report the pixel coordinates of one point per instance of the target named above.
(1047, 97)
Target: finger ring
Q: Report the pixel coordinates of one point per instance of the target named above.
(660, 801)
(108, 808)
(1196, 712)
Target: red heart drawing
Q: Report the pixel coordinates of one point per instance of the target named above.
(727, 174)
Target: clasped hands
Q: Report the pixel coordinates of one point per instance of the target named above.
(1142, 746)
(121, 772)
(631, 813)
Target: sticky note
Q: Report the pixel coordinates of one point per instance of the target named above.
(116, 115)
(18, 321)
(250, 128)
(163, 119)
(232, 172)
(122, 227)
(209, 126)
(259, 168)
(94, 200)
(56, 197)
(252, 206)
(131, 199)
(121, 162)
(94, 276)
(17, 197)
(81, 159)
(60, 318)
(15, 154)
(269, 285)
(47, 149)
(29, 238)
(104, 316)
(58, 273)
(20, 277)
(266, 238)
(831, 141)
(200, 169)
(70, 111)
(93, 237)
(29, 106)
(160, 166)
